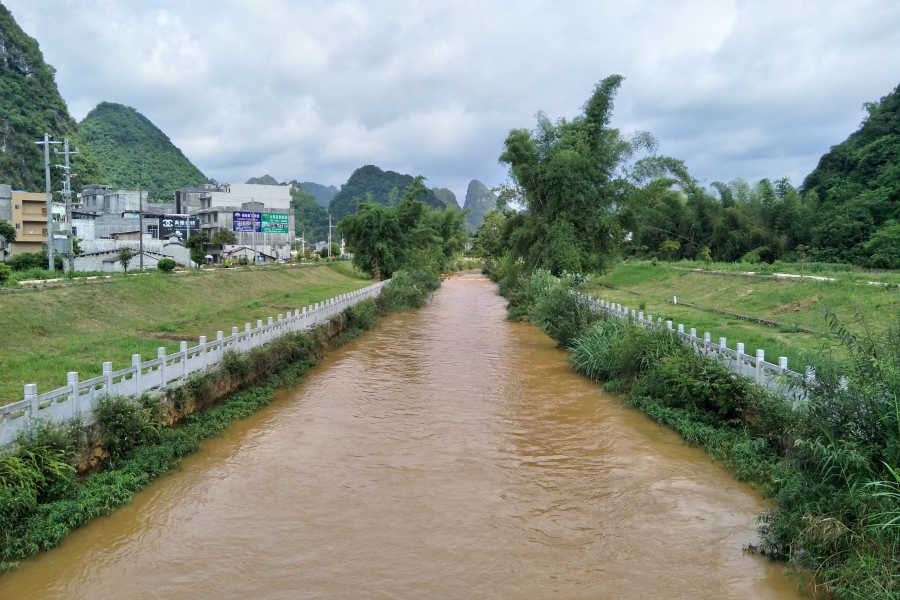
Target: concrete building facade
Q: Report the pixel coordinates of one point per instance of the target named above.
(29, 217)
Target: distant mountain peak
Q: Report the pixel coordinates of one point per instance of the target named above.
(130, 148)
(479, 199)
(264, 180)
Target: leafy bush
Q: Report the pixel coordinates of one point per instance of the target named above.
(126, 423)
(407, 289)
(166, 265)
(24, 261)
(236, 365)
(363, 315)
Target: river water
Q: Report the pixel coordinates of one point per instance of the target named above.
(445, 454)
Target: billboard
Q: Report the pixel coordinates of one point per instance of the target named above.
(254, 222)
(244, 222)
(274, 222)
(177, 225)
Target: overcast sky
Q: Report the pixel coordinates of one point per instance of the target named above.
(312, 90)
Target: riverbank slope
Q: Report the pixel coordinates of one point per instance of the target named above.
(53, 331)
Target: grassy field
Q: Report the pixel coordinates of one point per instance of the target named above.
(45, 334)
(788, 301)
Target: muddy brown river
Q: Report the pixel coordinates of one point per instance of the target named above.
(446, 454)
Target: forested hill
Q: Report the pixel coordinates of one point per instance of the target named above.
(847, 211)
(264, 180)
(322, 193)
(126, 142)
(446, 196)
(384, 187)
(856, 186)
(30, 105)
(479, 199)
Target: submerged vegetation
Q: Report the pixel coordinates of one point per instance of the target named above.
(41, 497)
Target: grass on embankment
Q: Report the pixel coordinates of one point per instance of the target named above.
(49, 333)
(788, 301)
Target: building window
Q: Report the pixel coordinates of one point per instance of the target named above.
(17, 207)
(18, 225)
(44, 211)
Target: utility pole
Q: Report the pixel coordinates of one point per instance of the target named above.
(329, 235)
(46, 143)
(141, 213)
(67, 195)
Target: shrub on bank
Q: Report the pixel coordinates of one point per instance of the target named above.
(166, 265)
(407, 289)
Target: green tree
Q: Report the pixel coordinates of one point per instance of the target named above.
(7, 233)
(125, 256)
(705, 256)
(567, 177)
(223, 237)
(668, 248)
(196, 245)
(373, 235)
(5, 273)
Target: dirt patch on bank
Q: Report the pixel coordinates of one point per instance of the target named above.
(794, 307)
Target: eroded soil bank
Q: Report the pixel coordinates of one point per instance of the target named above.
(445, 454)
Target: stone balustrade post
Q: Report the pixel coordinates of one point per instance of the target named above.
(107, 375)
(782, 363)
(248, 338)
(136, 378)
(202, 349)
(220, 347)
(669, 324)
(72, 384)
(760, 357)
(183, 350)
(680, 328)
(259, 333)
(31, 396)
(161, 355)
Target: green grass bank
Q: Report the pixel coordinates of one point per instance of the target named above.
(47, 488)
(47, 333)
(648, 287)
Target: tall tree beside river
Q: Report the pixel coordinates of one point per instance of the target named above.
(385, 239)
(568, 177)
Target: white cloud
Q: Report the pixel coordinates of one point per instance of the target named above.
(313, 90)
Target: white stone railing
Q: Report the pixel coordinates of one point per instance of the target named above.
(79, 398)
(776, 378)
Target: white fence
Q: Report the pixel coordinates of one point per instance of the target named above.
(776, 378)
(79, 398)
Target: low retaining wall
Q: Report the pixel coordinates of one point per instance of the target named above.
(776, 378)
(79, 398)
